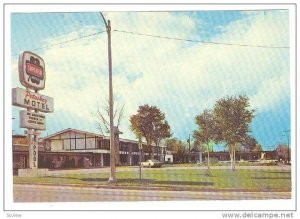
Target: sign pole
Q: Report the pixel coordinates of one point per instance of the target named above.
(30, 158)
(29, 135)
(33, 144)
(36, 143)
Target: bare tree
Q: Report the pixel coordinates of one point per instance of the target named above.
(102, 123)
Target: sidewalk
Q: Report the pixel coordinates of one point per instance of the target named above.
(145, 186)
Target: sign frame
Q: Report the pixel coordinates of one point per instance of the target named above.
(28, 99)
(32, 73)
(32, 120)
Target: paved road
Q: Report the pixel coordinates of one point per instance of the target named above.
(42, 193)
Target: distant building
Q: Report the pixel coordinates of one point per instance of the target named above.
(283, 153)
(198, 156)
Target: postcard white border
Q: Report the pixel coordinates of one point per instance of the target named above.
(163, 205)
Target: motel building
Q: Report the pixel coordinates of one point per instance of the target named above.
(71, 148)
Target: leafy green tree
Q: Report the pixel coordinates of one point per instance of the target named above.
(232, 118)
(150, 123)
(257, 147)
(207, 134)
(250, 144)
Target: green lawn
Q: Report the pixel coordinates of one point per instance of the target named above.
(178, 178)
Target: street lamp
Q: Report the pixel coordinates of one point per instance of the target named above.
(112, 177)
(189, 141)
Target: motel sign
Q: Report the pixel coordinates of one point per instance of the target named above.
(32, 76)
(32, 120)
(27, 99)
(32, 71)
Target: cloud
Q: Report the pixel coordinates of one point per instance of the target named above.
(181, 78)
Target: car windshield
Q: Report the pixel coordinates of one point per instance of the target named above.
(155, 161)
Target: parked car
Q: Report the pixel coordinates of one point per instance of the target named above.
(151, 163)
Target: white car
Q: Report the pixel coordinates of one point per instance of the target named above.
(151, 163)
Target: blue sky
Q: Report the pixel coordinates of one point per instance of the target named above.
(181, 78)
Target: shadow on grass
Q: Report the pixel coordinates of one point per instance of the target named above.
(271, 178)
(184, 183)
(150, 181)
(118, 180)
(61, 177)
(279, 172)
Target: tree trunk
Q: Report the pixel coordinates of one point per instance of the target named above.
(151, 152)
(208, 173)
(231, 149)
(208, 167)
(232, 156)
(149, 146)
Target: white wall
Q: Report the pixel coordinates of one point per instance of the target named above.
(56, 145)
(169, 158)
(66, 141)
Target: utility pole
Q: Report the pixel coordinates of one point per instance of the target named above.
(140, 145)
(112, 177)
(287, 132)
(189, 141)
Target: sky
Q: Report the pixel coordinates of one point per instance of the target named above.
(182, 78)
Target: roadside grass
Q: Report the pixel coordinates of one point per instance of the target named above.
(250, 179)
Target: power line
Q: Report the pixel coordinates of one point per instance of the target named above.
(201, 41)
(158, 36)
(63, 42)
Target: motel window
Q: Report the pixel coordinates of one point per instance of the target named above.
(73, 144)
(99, 144)
(17, 158)
(66, 144)
(106, 144)
(123, 147)
(135, 147)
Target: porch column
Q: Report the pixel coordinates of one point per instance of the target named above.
(162, 154)
(130, 154)
(101, 160)
(200, 156)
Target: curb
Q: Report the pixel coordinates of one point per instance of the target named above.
(158, 188)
